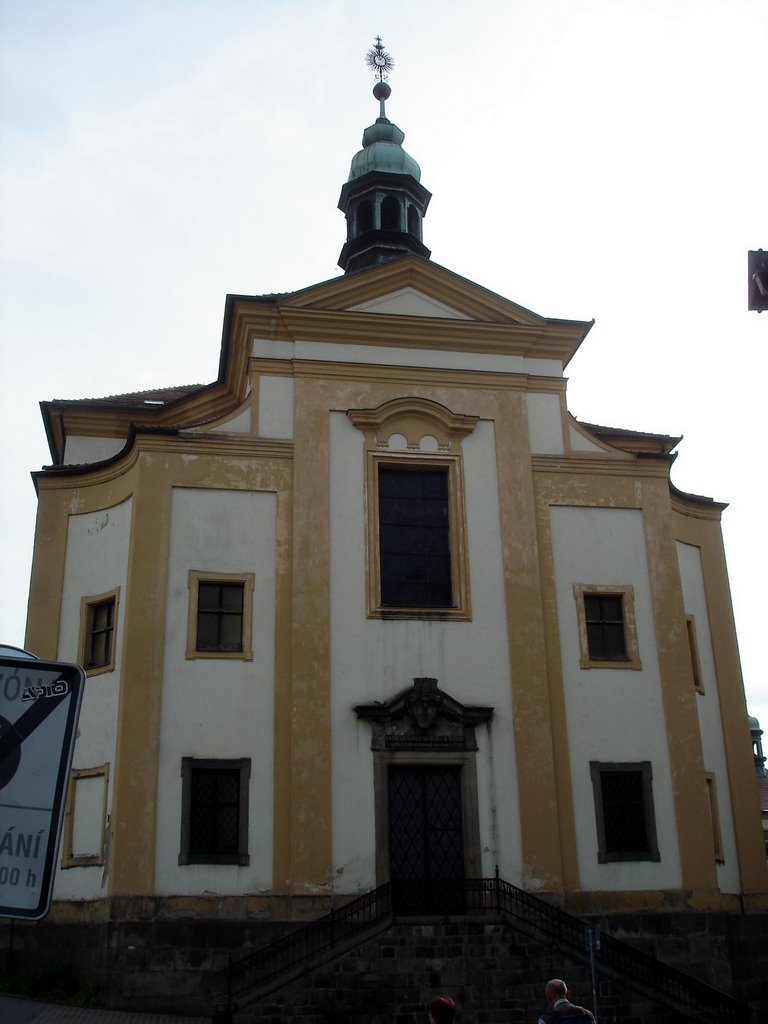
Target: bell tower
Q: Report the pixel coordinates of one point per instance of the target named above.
(383, 199)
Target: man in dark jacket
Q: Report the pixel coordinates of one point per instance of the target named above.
(560, 1010)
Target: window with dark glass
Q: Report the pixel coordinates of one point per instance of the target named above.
(693, 650)
(390, 214)
(604, 614)
(626, 824)
(364, 218)
(100, 634)
(414, 228)
(219, 616)
(414, 538)
(214, 811)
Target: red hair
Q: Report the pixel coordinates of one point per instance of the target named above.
(442, 1009)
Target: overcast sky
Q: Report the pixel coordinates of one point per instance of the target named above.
(587, 158)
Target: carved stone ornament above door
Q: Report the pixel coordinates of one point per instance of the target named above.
(423, 717)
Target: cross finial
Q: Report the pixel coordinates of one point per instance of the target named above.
(379, 61)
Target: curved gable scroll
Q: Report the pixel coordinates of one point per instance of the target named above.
(414, 419)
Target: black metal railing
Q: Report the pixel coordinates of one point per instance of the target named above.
(253, 972)
(257, 969)
(632, 965)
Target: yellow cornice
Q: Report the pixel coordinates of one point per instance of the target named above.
(349, 327)
(424, 375)
(599, 465)
(498, 327)
(230, 445)
(696, 507)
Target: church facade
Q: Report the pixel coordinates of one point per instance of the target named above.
(374, 606)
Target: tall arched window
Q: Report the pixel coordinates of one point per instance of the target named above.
(390, 214)
(364, 217)
(414, 225)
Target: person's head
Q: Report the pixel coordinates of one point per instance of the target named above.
(555, 989)
(442, 1010)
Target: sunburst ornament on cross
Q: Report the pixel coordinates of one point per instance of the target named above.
(379, 61)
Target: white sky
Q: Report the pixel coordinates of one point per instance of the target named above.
(600, 158)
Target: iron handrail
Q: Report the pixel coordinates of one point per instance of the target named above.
(262, 966)
(632, 964)
(342, 924)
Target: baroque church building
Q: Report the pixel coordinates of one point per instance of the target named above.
(374, 607)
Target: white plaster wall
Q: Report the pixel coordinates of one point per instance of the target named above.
(612, 714)
(276, 407)
(96, 563)
(79, 450)
(708, 706)
(545, 425)
(410, 302)
(430, 358)
(373, 659)
(215, 708)
(238, 424)
(580, 443)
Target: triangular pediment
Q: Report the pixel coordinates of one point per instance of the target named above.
(413, 287)
(410, 302)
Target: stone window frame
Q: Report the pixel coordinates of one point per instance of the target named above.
(693, 650)
(188, 764)
(68, 858)
(194, 578)
(412, 421)
(714, 811)
(88, 606)
(627, 594)
(596, 770)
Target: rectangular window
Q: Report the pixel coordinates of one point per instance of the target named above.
(604, 615)
(414, 537)
(214, 818)
(220, 615)
(714, 814)
(606, 626)
(626, 823)
(693, 649)
(85, 817)
(98, 623)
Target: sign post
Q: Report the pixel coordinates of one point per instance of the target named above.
(39, 709)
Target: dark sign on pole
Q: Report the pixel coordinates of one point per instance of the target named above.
(39, 708)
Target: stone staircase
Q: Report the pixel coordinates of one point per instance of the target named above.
(377, 958)
(495, 972)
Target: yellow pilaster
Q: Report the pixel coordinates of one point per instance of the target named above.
(134, 815)
(686, 759)
(544, 785)
(310, 742)
(46, 582)
(703, 531)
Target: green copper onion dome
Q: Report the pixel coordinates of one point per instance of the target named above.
(383, 199)
(383, 146)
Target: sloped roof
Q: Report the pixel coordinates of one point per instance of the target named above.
(634, 440)
(153, 396)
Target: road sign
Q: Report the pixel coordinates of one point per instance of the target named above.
(39, 708)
